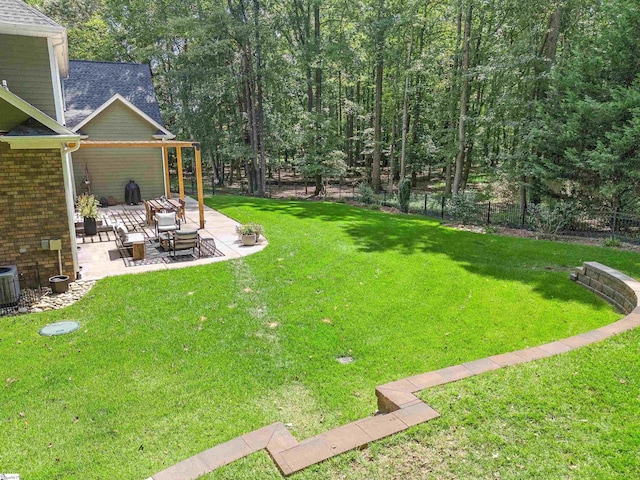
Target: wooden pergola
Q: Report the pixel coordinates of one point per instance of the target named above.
(165, 145)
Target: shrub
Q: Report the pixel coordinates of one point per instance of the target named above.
(404, 195)
(464, 207)
(250, 229)
(612, 242)
(88, 206)
(366, 194)
(551, 219)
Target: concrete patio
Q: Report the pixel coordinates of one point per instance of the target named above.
(98, 256)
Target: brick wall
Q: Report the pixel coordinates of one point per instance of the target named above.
(33, 208)
(615, 287)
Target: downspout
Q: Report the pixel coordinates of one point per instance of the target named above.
(66, 150)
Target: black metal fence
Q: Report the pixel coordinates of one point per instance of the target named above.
(17, 294)
(547, 219)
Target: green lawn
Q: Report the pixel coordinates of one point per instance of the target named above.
(168, 364)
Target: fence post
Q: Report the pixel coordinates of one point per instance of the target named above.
(213, 185)
(613, 223)
(489, 213)
(425, 204)
(524, 214)
(442, 209)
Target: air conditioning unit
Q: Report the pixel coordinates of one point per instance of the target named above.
(9, 286)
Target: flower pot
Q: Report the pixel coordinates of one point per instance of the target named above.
(90, 226)
(59, 283)
(249, 239)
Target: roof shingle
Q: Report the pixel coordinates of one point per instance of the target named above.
(16, 12)
(91, 84)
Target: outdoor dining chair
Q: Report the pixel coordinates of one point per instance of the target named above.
(166, 222)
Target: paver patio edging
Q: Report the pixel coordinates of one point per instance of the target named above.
(398, 406)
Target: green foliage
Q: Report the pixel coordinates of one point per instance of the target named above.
(612, 242)
(552, 218)
(559, 119)
(404, 194)
(464, 207)
(250, 229)
(366, 194)
(87, 206)
(590, 125)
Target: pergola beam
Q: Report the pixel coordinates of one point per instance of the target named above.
(136, 144)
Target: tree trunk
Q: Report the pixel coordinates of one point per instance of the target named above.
(392, 156)
(447, 179)
(260, 111)
(405, 114)
(377, 126)
(318, 80)
(464, 104)
(349, 133)
(358, 152)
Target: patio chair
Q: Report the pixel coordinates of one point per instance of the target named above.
(182, 213)
(184, 240)
(125, 240)
(148, 211)
(166, 222)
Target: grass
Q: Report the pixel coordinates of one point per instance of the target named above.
(168, 364)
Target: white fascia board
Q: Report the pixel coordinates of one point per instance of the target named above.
(117, 97)
(39, 142)
(31, 30)
(56, 83)
(34, 113)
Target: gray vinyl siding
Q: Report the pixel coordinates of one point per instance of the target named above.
(119, 122)
(24, 64)
(111, 169)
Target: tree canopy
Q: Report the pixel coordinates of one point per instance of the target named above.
(542, 95)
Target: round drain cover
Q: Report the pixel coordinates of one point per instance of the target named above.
(59, 328)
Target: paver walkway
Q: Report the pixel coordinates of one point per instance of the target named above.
(399, 407)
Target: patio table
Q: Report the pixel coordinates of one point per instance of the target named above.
(161, 204)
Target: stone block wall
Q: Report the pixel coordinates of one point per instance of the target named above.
(615, 287)
(33, 208)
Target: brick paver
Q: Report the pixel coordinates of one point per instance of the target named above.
(398, 406)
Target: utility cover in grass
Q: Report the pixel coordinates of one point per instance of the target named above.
(59, 328)
(345, 360)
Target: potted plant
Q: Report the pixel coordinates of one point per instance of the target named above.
(249, 233)
(88, 209)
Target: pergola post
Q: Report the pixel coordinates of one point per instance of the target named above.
(167, 179)
(196, 148)
(164, 144)
(180, 178)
